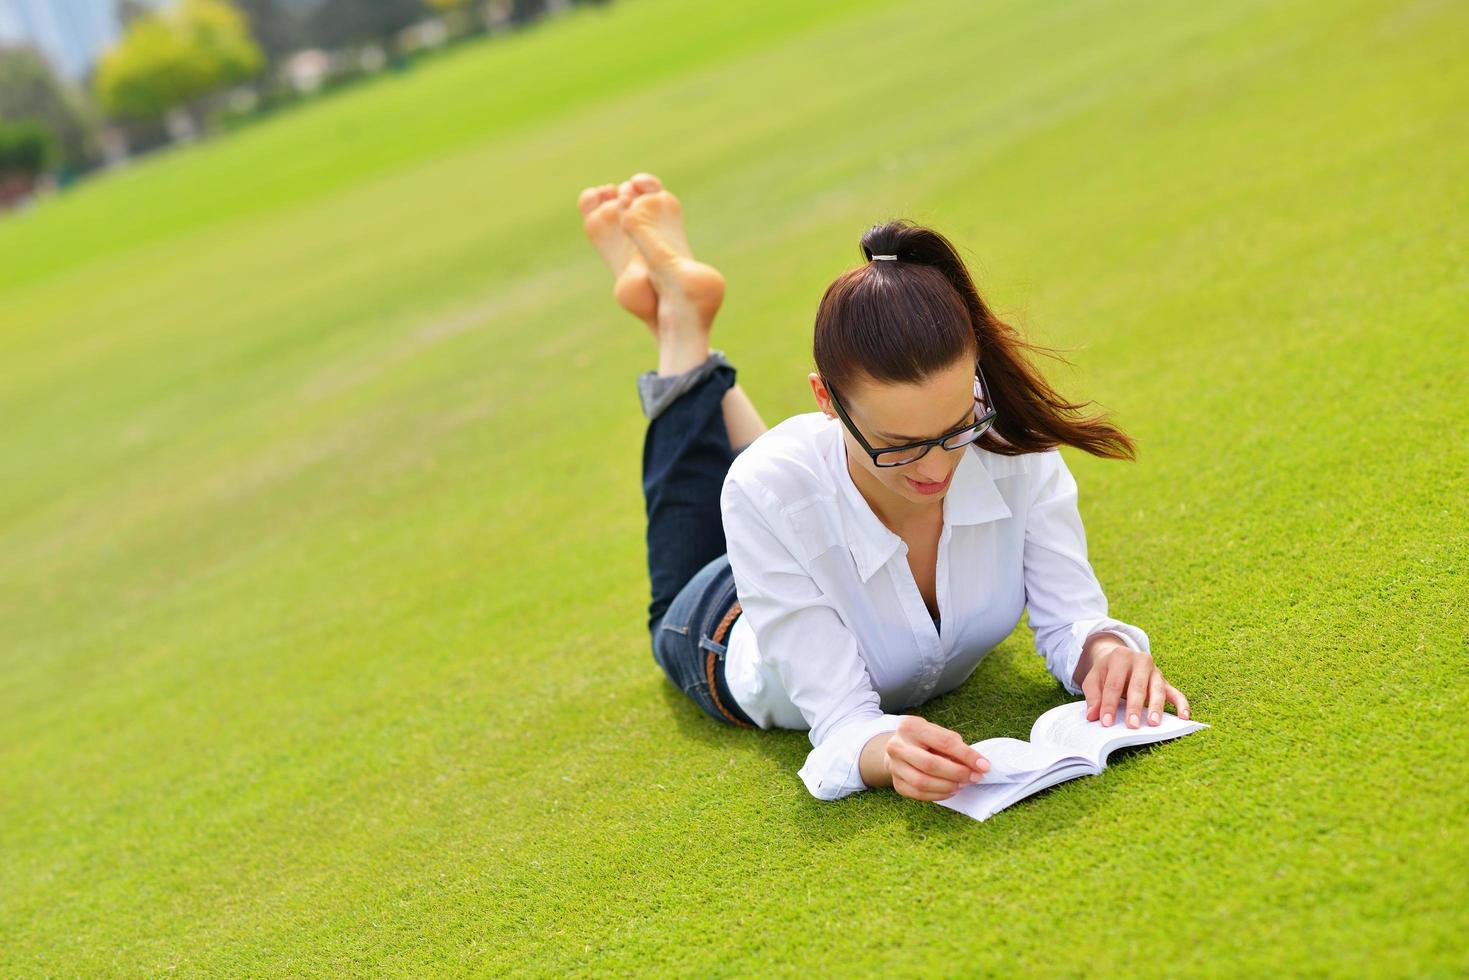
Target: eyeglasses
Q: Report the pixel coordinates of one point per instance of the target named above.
(912, 452)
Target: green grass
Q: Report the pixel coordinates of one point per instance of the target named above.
(322, 590)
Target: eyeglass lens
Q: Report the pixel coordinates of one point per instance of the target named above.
(956, 441)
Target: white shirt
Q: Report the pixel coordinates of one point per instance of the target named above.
(835, 636)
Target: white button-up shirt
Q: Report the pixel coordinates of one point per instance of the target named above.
(835, 636)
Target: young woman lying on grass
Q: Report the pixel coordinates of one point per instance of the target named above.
(877, 549)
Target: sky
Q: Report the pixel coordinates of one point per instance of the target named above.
(69, 32)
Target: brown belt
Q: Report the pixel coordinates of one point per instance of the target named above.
(718, 637)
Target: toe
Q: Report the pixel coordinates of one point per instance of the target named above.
(588, 199)
(666, 204)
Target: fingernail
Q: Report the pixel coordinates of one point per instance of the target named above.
(975, 777)
(1155, 717)
(1184, 712)
(1132, 721)
(1107, 718)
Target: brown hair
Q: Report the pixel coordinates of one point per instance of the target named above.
(901, 321)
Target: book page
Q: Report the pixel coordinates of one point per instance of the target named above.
(1014, 761)
(1017, 769)
(1063, 745)
(984, 799)
(1066, 729)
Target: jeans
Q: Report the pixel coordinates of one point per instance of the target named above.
(686, 454)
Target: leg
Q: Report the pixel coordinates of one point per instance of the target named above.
(699, 419)
(684, 352)
(690, 642)
(741, 420)
(686, 454)
(688, 447)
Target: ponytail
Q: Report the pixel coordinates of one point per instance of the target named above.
(901, 321)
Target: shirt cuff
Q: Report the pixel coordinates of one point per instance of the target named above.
(1130, 635)
(832, 770)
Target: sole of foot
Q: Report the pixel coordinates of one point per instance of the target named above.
(689, 291)
(632, 288)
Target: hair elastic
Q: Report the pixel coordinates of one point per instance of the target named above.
(892, 257)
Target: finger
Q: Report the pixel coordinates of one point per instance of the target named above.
(1091, 686)
(1156, 696)
(947, 742)
(1179, 701)
(1117, 669)
(931, 787)
(899, 771)
(1137, 688)
(933, 765)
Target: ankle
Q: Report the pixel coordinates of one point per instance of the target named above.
(681, 350)
(658, 391)
(672, 361)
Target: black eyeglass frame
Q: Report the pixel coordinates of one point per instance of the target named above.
(980, 424)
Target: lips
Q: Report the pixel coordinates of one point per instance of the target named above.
(928, 488)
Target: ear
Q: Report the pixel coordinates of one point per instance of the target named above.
(823, 400)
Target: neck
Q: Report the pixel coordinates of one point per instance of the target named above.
(894, 511)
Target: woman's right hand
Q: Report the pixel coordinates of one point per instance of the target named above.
(930, 762)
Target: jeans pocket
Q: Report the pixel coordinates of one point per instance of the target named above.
(715, 610)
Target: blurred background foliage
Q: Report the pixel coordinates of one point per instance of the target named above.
(175, 71)
(176, 57)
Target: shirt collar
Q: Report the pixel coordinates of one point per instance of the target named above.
(973, 498)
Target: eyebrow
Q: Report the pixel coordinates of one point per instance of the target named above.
(889, 435)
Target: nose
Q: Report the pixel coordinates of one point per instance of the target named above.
(935, 473)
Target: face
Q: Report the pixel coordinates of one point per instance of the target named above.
(896, 414)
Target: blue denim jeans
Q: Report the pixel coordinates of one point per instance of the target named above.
(686, 454)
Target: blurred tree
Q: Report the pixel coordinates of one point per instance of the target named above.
(526, 11)
(27, 150)
(349, 23)
(460, 16)
(279, 26)
(171, 58)
(29, 89)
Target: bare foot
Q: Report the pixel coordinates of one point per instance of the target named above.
(602, 218)
(696, 290)
(689, 291)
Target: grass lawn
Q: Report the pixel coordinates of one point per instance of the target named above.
(322, 584)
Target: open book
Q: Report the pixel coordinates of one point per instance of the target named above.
(1062, 746)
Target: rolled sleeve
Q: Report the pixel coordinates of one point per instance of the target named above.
(832, 768)
(1065, 604)
(802, 636)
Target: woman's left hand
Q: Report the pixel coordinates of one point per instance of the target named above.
(1118, 671)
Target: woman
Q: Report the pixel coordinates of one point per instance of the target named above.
(878, 548)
